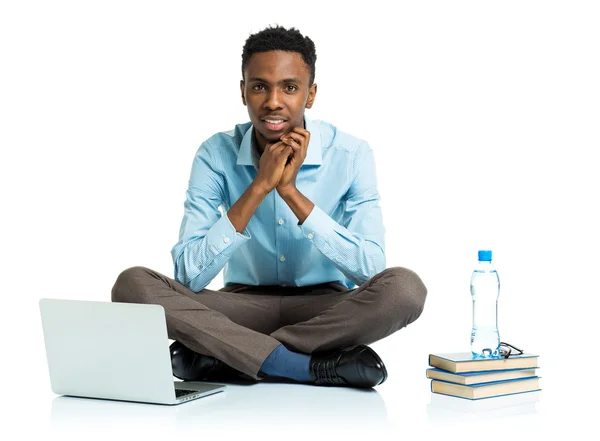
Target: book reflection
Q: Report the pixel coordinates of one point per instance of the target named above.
(443, 408)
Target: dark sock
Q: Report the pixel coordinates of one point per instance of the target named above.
(285, 363)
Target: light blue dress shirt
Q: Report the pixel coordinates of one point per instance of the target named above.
(341, 240)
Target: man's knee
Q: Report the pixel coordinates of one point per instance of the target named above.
(127, 286)
(405, 292)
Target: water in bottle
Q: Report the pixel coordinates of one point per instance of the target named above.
(485, 289)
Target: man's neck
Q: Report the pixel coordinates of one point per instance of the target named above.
(255, 144)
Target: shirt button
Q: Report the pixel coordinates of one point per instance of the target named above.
(226, 239)
(282, 258)
(310, 235)
(280, 221)
(201, 266)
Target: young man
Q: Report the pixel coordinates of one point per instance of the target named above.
(301, 226)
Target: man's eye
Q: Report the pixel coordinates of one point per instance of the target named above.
(258, 87)
(291, 88)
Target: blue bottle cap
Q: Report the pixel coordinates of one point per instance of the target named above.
(485, 255)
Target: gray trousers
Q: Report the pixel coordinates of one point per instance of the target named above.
(242, 324)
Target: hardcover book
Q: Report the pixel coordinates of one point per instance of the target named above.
(486, 390)
(479, 377)
(459, 362)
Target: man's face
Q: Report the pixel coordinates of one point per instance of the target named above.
(275, 88)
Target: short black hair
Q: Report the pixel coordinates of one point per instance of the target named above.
(279, 38)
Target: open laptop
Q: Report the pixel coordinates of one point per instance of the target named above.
(115, 351)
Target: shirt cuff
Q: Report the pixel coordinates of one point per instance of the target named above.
(223, 235)
(318, 225)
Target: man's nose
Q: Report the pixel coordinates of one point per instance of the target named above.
(273, 99)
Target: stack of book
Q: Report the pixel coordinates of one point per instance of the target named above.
(461, 375)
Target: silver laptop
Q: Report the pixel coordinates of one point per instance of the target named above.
(115, 351)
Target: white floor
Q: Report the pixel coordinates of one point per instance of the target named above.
(403, 406)
(278, 408)
(298, 411)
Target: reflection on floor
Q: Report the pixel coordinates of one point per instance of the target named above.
(282, 406)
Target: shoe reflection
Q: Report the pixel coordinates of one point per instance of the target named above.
(278, 405)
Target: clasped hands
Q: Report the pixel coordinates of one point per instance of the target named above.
(281, 161)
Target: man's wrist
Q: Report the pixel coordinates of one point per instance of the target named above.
(300, 205)
(287, 192)
(259, 190)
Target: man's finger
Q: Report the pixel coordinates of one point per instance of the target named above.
(297, 145)
(293, 135)
(297, 131)
(302, 131)
(274, 146)
(304, 134)
(300, 141)
(287, 152)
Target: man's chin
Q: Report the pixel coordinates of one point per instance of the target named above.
(270, 138)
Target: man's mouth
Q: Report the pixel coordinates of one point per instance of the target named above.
(273, 124)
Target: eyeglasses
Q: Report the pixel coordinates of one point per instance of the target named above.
(506, 350)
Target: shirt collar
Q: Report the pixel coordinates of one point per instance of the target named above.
(249, 156)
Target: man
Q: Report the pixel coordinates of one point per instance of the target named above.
(291, 257)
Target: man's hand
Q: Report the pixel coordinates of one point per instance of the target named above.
(272, 163)
(298, 139)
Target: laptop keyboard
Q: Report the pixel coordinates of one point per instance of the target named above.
(181, 392)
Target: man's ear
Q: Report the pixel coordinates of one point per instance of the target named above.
(242, 90)
(312, 93)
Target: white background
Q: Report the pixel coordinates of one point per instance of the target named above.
(483, 116)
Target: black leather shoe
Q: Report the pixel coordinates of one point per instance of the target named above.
(191, 366)
(355, 367)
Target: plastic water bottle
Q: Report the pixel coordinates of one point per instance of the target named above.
(485, 289)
